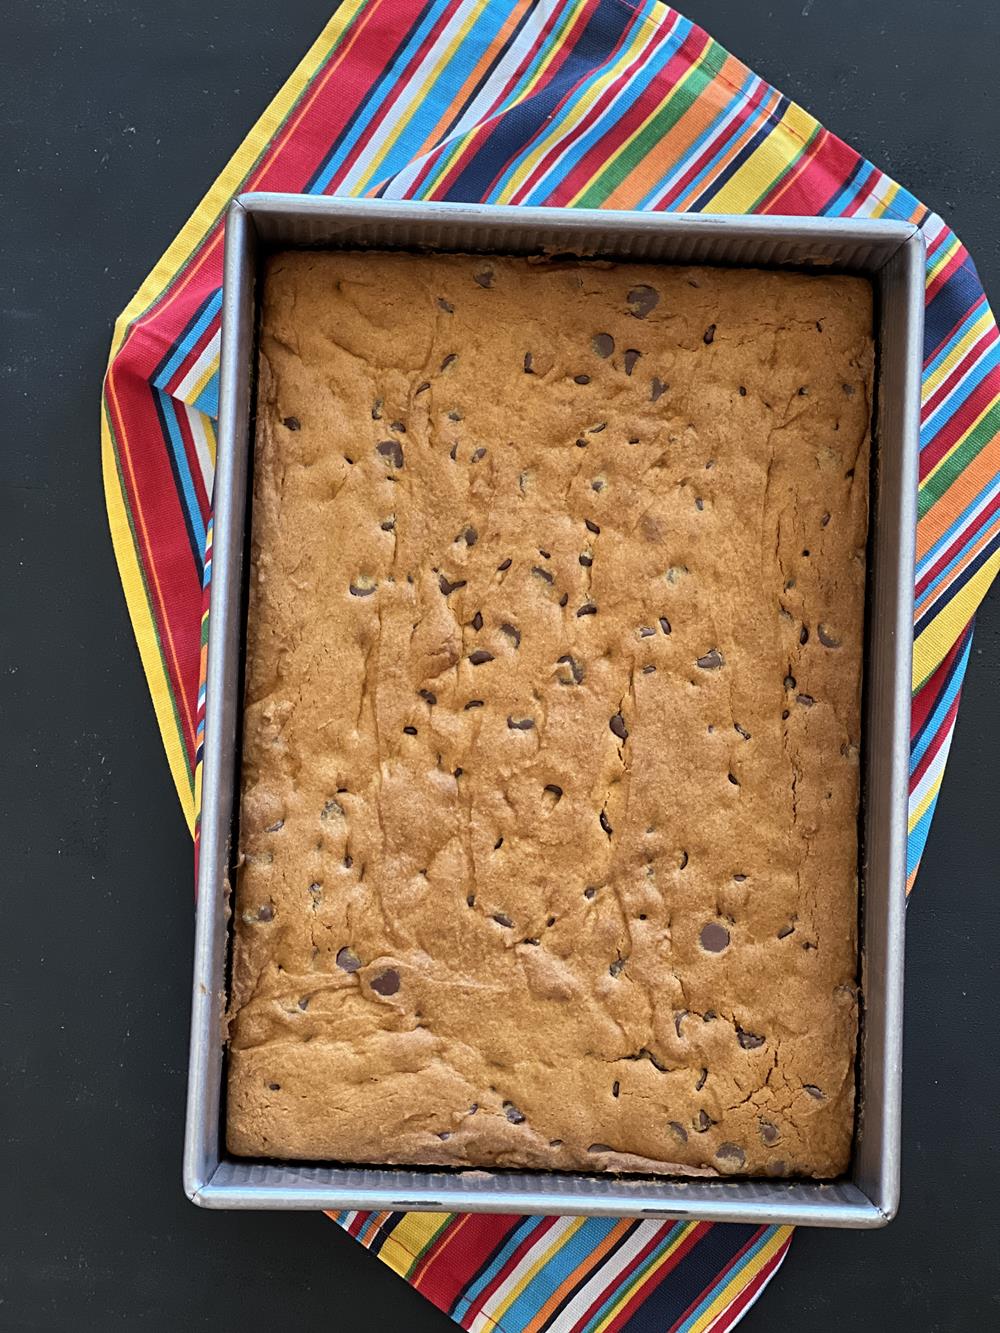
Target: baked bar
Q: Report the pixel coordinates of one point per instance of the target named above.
(550, 764)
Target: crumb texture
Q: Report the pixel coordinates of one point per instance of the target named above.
(550, 768)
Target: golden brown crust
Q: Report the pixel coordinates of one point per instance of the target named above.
(554, 661)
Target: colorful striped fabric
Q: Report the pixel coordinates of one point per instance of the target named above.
(585, 103)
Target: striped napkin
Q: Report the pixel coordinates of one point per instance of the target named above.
(575, 103)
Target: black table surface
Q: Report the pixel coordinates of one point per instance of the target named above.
(117, 116)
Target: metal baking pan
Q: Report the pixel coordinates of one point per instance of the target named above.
(892, 255)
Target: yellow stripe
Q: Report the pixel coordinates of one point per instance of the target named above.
(958, 444)
(409, 1238)
(940, 636)
(418, 101)
(497, 1312)
(929, 796)
(629, 1291)
(568, 121)
(199, 387)
(769, 161)
(742, 1277)
(943, 256)
(960, 350)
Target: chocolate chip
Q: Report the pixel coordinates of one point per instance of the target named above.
(824, 520)
(769, 1133)
(520, 723)
(703, 1121)
(657, 389)
(581, 379)
(478, 454)
(631, 357)
(453, 452)
(597, 484)
(596, 430)
(743, 390)
(409, 731)
(714, 937)
(777, 1168)
(527, 364)
(711, 661)
(555, 1143)
(564, 599)
(446, 306)
(546, 555)
(813, 1091)
(449, 360)
(600, 1147)
(749, 1040)
(646, 632)
(387, 982)
(739, 879)
(274, 1087)
(699, 504)
(617, 725)
(512, 632)
(603, 344)
(515, 1116)
(731, 1153)
(606, 823)
(505, 565)
(709, 335)
(477, 621)
(587, 560)
(742, 731)
(703, 1076)
(484, 277)
(265, 912)
(617, 967)
(331, 807)
(471, 536)
(733, 779)
(554, 791)
(292, 423)
(398, 426)
(576, 670)
(362, 587)
(392, 450)
(826, 637)
(388, 524)
(665, 627)
(474, 703)
(422, 388)
(648, 670)
(447, 587)
(470, 900)
(789, 682)
(591, 526)
(276, 827)
(806, 700)
(348, 960)
(616, 1088)
(502, 919)
(480, 656)
(682, 864)
(456, 775)
(785, 931)
(455, 415)
(348, 861)
(588, 609)
(804, 634)
(679, 1132)
(444, 1135)
(641, 300)
(541, 573)
(679, 1018)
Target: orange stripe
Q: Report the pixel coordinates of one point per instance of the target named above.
(590, 1262)
(963, 490)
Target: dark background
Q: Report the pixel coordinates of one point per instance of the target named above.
(117, 116)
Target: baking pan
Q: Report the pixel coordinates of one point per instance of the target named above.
(892, 255)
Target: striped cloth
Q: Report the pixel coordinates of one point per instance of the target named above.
(590, 103)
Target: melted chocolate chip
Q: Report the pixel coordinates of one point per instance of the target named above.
(769, 1133)
(471, 536)
(386, 983)
(362, 587)
(474, 703)
(813, 1091)
(576, 670)
(409, 731)
(826, 637)
(292, 423)
(703, 1121)
(515, 1116)
(520, 723)
(449, 360)
(711, 660)
(502, 919)
(742, 731)
(606, 823)
(274, 1087)
(477, 621)
(265, 913)
(513, 633)
(480, 656)
(714, 937)
(588, 609)
(393, 451)
(616, 1088)
(484, 277)
(348, 960)
(749, 1040)
(646, 632)
(581, 379)
(631, 357)
(541, 573)
(603, 344)
(679, 1132)
(617, 725)
(641, 300)
(447, 587)
(586, 560)
(478, 454)
(617, 967)
(446, 306)
(657, 389)
(709, 335)
(527, 364)
(731, 1153)
(429, 696)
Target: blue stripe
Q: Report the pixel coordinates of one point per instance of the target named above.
(921, 743)
(524, 122)
(947, 569)
(524, 1228)
(974, 314)
(698, 1269)
(968, 573)
(208, 400)
(942, 414)
(917, 840)
(957, 294)
(850, 190)
(711, 1296)
(374, 98)
(983, 498)
(196, 328)
(568, 1257)
(769, 124)
(167, 411)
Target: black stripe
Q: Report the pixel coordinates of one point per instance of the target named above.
(696, 1273)
(770, 122)
(960, 647)
(180, 338)
(969, 572)
(385, 1231)
(485, 1265)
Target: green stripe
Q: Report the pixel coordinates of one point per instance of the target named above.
(149, 602)
(789, 167)
(449, 1219)
(935, 486)
(677, 104)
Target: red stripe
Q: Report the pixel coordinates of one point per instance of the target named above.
(864, 194)
(194, 466)
(975, 353)
(945, 558)
(945, 272)
(825, 162)
(952, 430)
(953, 330)
(746, 119)
(715, 1282)
(451, 1271)
(619, 1278)
(925, 700)
(545, 1225)
(645, 1289)
(190, 357)
(940, 737)
(731, 1316)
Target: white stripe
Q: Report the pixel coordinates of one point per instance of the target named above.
(209, 353)
(716, 1322)
(486, 1320)
(951, 537)
(933, 774)
(604, 1276)
(482, 110)
(942, 408)
(196, 423)
(413, 92)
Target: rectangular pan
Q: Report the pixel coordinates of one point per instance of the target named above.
(892, 255)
